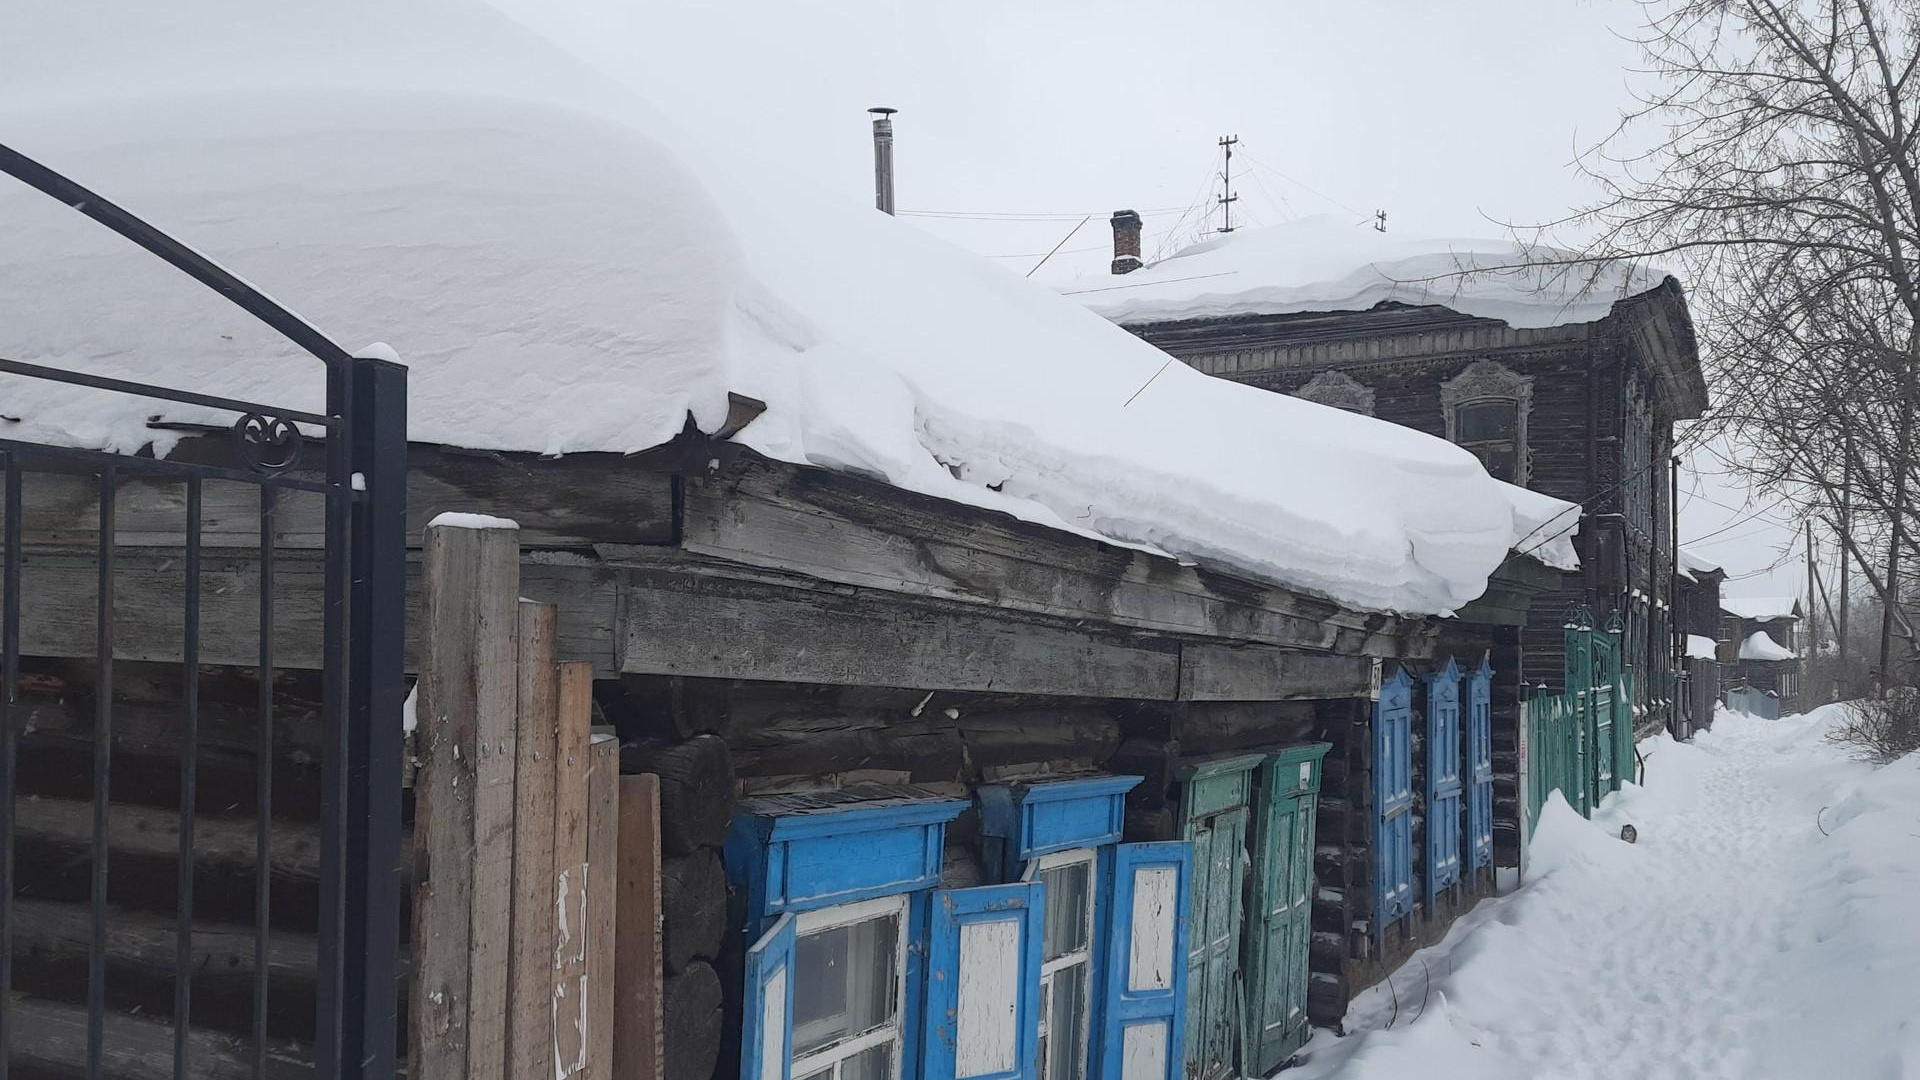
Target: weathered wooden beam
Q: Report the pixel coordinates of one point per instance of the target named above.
(1258, 673)
(571, 809)
(530, 986)
(464, 742)
(576, 501)
(847, 529)
(603, 879)
(637, 945)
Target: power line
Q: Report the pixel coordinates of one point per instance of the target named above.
(1009, 215)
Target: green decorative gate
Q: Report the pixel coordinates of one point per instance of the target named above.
(1580, 741)
(1218, 805)
(1281, 924)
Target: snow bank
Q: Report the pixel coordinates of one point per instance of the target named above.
(1325, 263)
(1759, 646)
(1701, 647)
(563, 271)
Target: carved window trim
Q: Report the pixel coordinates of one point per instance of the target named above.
(1486, 382)
(1339, 390)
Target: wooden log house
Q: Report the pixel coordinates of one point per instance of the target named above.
(1761, 646)
(949, 786)
(1698, 621)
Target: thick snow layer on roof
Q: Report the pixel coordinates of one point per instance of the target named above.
(1691, 564)
(1764, 608)
(563, 272)
(1327, 263)
(1544, 527)
(1760, 646)
(1701, 647)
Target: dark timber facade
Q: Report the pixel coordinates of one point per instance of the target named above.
(1581, 412)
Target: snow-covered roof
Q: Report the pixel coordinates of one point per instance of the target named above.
(1329, 263)
(564, 271)
(1760, 646)
(1762, 608)
(1544, 527)
(1700, 647)
(1691, 564)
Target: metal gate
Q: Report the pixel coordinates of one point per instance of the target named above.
(357, 473)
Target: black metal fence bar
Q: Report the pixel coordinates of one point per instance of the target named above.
(189, 789)
(9, 687)
(161, 393)
(90, 461)
(102, 777)
(263, 865)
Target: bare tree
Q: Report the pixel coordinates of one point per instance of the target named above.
(1772, 167)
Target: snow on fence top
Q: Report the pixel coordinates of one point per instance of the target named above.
(563, 273)
(1764, 608)
(1327, 263)
(1760, 646)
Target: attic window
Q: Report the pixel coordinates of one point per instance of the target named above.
(1486, 409)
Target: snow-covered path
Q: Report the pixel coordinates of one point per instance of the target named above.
(1734, 939)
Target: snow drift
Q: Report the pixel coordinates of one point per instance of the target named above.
(1760, 646)
(563, 273)
(1326, 263)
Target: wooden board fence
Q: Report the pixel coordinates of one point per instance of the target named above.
(524, 866)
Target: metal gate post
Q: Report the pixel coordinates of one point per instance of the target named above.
(360, 931)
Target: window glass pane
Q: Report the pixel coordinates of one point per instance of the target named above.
(1487, 420)
(823, 1074)
(1500, 460)
(843, 981)
(873, 1063)
(1065, 1056)
(1068, 890)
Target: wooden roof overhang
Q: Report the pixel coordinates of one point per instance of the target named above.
(702, 558)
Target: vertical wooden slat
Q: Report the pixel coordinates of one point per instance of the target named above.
(570, 869)
(467, 696)
(603, 874)
(530, 986)
(637, 973)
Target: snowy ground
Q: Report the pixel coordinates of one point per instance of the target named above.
(1733, 940)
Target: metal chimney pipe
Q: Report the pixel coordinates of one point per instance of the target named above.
(883, 158)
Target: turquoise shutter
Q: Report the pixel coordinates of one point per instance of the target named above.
(1392, 802)
(1280, 924)
(1145, 974)
(1443, 781)
(766, 1023)
(1480, 767)
(983, 983)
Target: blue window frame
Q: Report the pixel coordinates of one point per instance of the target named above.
(1442, 868)
(1393, 802)
(1479, 695)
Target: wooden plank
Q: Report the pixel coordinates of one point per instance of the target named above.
(467, 696)
(1258, 673)
(577, 501)
(860, 532)
(570, 802)
(50, 1039)
(603, 879)
(637, 945)
(718, 628)
(57, 605)
(530, 991)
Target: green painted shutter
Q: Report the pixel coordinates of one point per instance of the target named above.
(1282, 924)
(1218, 794)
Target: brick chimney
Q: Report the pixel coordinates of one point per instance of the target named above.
(1126, 241)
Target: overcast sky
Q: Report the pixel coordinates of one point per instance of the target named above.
(1026, 117)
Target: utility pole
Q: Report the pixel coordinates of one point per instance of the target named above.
(1846, 531)
(1813, 599)
(1227, 197)
(1379, 221)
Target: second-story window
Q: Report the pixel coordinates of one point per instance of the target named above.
(1486, 409)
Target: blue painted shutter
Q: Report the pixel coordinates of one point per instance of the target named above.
(1144, 979)
(1393, 801)
(1443, 780)
(1480, 766)
(983, 983)
(766, 1023)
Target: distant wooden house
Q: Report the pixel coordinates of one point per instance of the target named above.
(1762, 646)
(1567, 385)
(1698, 622)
